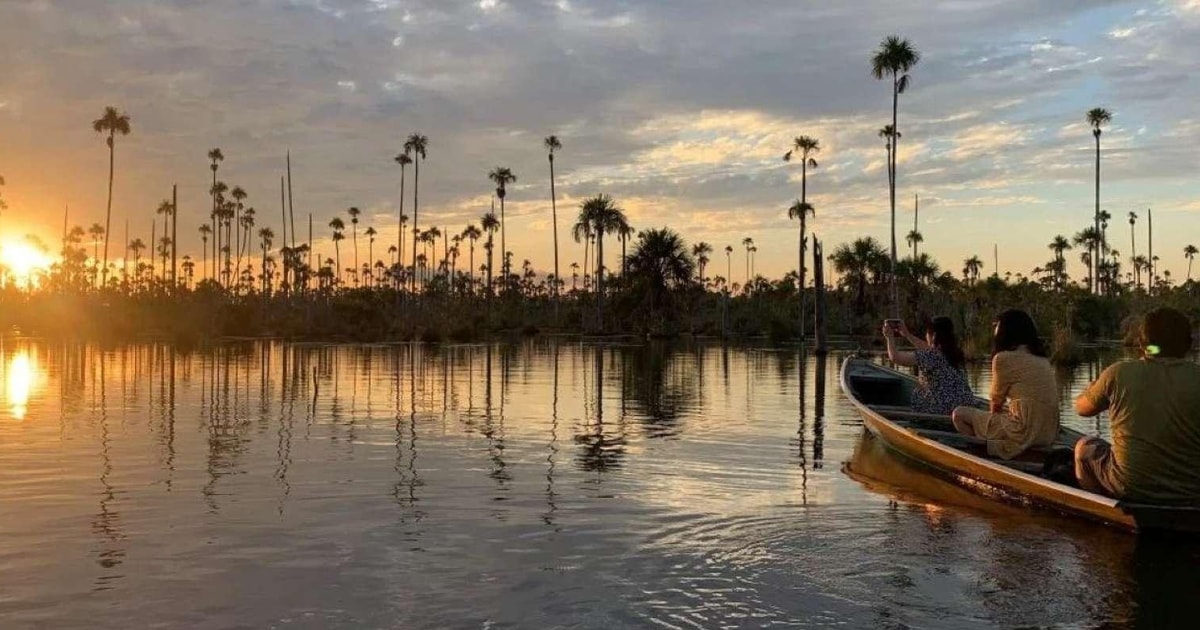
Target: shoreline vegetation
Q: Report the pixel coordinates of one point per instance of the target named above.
(464, 284)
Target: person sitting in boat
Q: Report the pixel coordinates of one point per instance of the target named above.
(942, 384)
(1023, 378)
(1154, 412)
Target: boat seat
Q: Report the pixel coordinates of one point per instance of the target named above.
(1053, 461)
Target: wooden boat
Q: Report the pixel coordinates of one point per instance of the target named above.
(1042, 476)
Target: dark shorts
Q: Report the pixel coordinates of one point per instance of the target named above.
(1096, 469)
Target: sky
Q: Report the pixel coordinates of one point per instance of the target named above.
(679, 109)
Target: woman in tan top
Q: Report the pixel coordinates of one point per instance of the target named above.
(1022, 376)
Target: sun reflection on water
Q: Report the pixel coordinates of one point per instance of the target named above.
(20, 376)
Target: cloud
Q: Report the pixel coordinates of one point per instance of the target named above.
(679, 108)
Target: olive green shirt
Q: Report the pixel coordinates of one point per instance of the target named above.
(1154, 406)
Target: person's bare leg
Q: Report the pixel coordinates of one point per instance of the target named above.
(1083, 475)
(962, 422)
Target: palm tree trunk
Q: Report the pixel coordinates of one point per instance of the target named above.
(895, 152)
(108, 213)
(1096, 216)
(554, 223)
(416, 214)
(1189, 277)
(356, 267)
(803, 241)
(600, 279)
(503, 247)
(1150, 249)
(490, 251)
(400, 223)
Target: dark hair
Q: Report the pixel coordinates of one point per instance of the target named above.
(1169, 330)
(1015, 328)
(944, 339)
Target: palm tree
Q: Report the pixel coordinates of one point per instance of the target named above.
(472, 234)
(403, 160)
(914, 238)
(205, 231)
(239, 196)
(1139, 263)
(801, 210)
(1190, 252)
(729, 261)
(215, 157)
(137, 247)
(1059, 245)
(1132, 235)
(502, 176)
(574, 275)
(624, 232)
(370, 232)
(337, 225)
(894, 58)
(973, 265)
(265, 236)
(415, 145)
(701, 251)
(602, 213)
(887, 133)
(747, 243)
(1097, 117)
(806, 146)
(96, 232)
(490, 225)
(552, 144)
(354, 212)
(659, 264)
(855, 263)
(166, 210)
(582, 231)
(111, 122)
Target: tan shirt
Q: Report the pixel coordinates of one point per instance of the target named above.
(1026, 381)
(1154, 406)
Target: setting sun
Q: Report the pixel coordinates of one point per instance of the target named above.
(23, 261)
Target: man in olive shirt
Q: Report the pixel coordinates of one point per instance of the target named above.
(1154, 406)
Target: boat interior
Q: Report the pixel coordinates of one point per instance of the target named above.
(888, 394)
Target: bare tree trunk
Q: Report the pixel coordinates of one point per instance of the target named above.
(108, 213)
(819, 281)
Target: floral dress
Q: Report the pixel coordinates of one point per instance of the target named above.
(941, 386)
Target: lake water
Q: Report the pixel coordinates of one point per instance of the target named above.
(538, 485)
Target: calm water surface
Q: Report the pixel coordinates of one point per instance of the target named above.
(540, 485)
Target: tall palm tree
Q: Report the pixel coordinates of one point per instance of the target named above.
(582, 231)
(205, 231)
(265, 237)
(729, 262)
(472, 233)
(1097, 117)
(747, 243)
(894, 58)
(96, 231)
(806, 146)
(337, 225)
(166, 210)
(624, 232)
(370, 232)
(215, 157)
(234, 227)
(490, 224)
(973, 266)
(403, 160)
(111, 122)
(701, 251)
(354, 212)
(1132, 234)
(552, 144)
(502, 177)
(137, 247)
(660, 264)
(416, 145)
(1189, 253)
(1059, 245)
